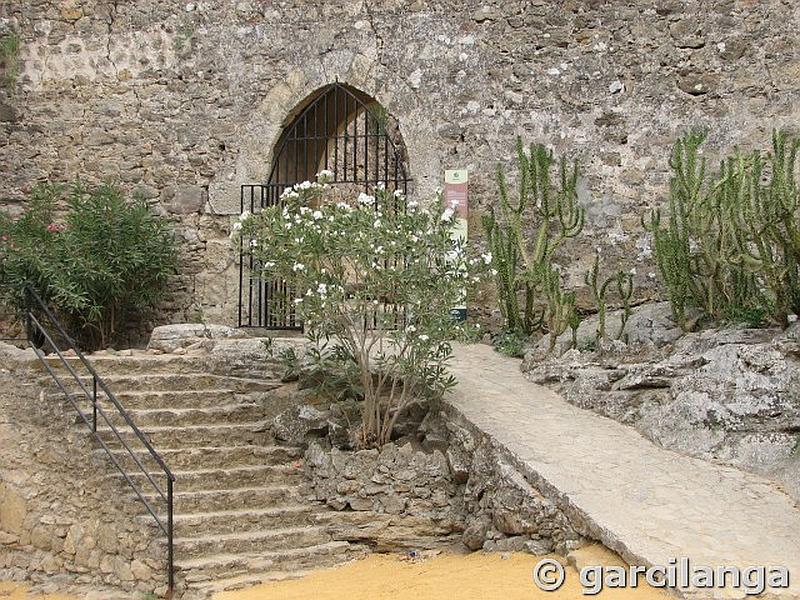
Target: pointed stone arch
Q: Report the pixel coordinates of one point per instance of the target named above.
(337, 128)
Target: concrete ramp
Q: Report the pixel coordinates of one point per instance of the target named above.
(646, 503)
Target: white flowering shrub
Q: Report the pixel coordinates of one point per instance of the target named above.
(375, 280)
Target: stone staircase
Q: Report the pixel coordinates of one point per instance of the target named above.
(243, 513)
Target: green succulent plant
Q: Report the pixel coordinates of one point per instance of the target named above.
(546, 198)
(730, 243)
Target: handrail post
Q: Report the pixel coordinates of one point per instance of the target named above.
(28, 309)
(170, 566)
(32, 297)
(94, 403)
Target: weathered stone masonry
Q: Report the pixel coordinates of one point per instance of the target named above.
(183, 101)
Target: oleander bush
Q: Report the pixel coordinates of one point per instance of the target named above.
(729, 244)
(95, 257)
(374, 281)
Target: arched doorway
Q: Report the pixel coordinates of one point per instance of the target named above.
(339, 129)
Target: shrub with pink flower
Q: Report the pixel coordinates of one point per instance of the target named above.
(106, 260)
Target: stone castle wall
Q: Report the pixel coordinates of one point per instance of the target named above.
(183, 101)
(62, 517)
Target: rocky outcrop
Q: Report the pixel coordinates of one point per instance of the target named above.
(650, 326)
(731, 395)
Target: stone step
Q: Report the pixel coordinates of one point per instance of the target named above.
(209, 589)
(137, 362)
(233, 521)
(169, 382)
(209, 479)
(209, 457)
(202, 501)
(162, 399)
(219, 567)
(205, 434)
(165, 417)
(256, 541)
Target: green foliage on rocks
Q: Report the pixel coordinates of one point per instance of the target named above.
(546, 197)
(730, 242)
(9, 58)
(94, 256)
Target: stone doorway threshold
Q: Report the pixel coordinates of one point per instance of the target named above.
(646, 503)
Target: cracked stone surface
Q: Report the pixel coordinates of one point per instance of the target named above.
(727, 395)
(644, 502)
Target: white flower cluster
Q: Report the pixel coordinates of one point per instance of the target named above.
(323, 290)
(366, 199)
(293, 192)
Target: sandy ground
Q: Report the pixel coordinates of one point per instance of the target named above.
(14, 591)
(476, 576)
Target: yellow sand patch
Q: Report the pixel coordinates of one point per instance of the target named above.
(476, 576)
(14, 591)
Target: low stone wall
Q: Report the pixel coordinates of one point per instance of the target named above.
(61, 516)
(505, 509)
(397, 498)
(449, 486)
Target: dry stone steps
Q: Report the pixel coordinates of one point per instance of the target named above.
(226, 478)
(224, 566)
(243, 513)
(209, 457)
(238, 498)
(231, 521)
(190, 436)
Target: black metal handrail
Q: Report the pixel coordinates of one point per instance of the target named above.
(35, 325)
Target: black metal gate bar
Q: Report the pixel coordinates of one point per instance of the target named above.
(373, 145)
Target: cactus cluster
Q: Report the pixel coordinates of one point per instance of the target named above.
(560, 312)
(730, 244)
(525, 267)
(623, 282)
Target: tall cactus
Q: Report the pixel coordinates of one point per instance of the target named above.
(553, 208)
(625, 291)
(672, 243)
(731, 245)
(598, 291)
(560, 312)
(624, 286)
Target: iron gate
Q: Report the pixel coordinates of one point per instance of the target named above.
(341, 130)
